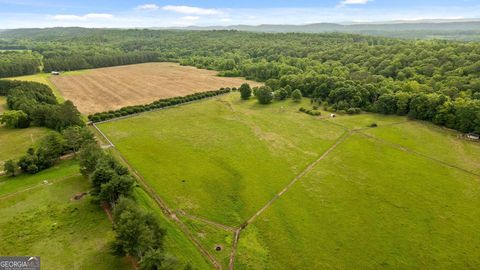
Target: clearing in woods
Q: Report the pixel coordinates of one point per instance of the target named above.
(104, 89)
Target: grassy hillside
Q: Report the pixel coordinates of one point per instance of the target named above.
(244, 151)
(45, 221)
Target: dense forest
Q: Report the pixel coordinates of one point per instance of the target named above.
(18, 62)
(433, 80)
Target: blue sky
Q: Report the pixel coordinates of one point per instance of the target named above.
(167, 13)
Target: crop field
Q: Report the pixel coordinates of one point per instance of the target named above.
(311, 192)
(111, 88)
(44, 220)
(15, 142)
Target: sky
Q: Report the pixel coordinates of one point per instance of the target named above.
(171, 13)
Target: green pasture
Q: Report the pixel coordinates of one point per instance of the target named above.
(15, 142)
(176, 243)
(44, 220)
(370, 206)
(223, 158)
(436, 142)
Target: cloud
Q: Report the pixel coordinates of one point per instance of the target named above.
(190, 18)
(147, 7)
(192, 10)
(69, 17)
(352, 2)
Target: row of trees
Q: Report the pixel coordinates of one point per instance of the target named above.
(33, 103)
(162, 103)
(138, 233)
(265, 94)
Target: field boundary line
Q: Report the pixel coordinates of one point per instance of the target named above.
(309, 168)
(103, 135)
(158, 109)
(411, 151)
(206, 221)
(39, 185)
(169, 213)
(298, 177)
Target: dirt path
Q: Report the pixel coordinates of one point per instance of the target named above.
(283, 191)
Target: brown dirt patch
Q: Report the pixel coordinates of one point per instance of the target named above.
(111, 88)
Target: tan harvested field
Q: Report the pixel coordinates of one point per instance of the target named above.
(111, 88)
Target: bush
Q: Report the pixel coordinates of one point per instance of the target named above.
(310, 112)
(297, 95)
(264, 95)
(353, 110)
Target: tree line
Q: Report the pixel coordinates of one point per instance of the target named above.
(17, 63)
(138, 233)
(348, 72)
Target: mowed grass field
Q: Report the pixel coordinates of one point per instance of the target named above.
(223, 158)
(403, 195)
(43, 220)
(111, 88)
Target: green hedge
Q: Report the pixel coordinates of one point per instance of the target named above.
(161, 103)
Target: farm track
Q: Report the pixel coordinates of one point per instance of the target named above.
(206, 221)
(38, 185)
(283, 191)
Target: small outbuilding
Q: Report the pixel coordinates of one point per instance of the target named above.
(473, 136)
(55, 73)
(333, 115)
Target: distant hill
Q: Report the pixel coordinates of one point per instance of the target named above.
(459, 30)
(465, 30)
